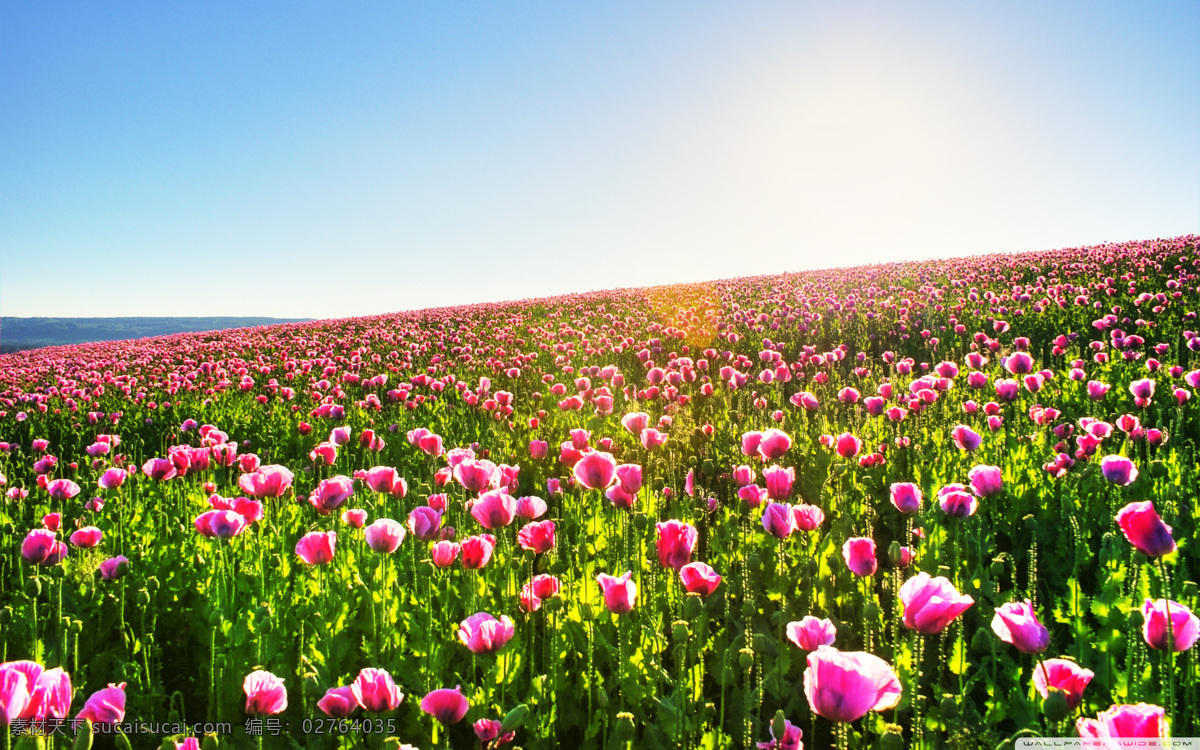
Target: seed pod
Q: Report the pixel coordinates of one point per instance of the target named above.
(210, 742)
(746, 658)
(681, 632)
(693, 606)
(997, 567)
(748, 608)
(640, 521)
(871, 611)
(33, 587)
(76, 627)
(949, 708)
(623, 729)
(1055, 706)
(892, 738)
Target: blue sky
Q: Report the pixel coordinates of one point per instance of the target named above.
(326, 160)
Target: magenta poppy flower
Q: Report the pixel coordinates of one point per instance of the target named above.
(531, 507)
(87, 537)
(752, 495)
(1184, 627)
(1125, 721)
(538, 449)
(330, 494)
(651, 438)
(596, 470)
(484, 634)
(62, 489)
(844, 686)
(1016, 623)
(956, 501)
(444, 553)
(847, 446)
(446, 705)
(1065, 676)
(773, 444)
(265, 693)
(699, 578)
(41, 547)
(355, 517)
(495, 509)
(159, 469)
(271, 480)
(112, 478)
(476, 475)
(931, 603)
(323, 454)
(906, 496)
(537, 537)
(620, 594)
(811, 633)
(859, 554)
(386, 480)
(384, 535)
(377, 691)
(965, 438)
(750, 443)
(339, 702)
(628, 485)
(1118, 470)
(477, 550)
(635, 422)
(985, 480)
(424, 521)
(220, 524)
(106, 706)
(779, 481)
(807, 517)
(1145, 530)
(675, 543)
(316, 548)
(778, 521)
(1096, 390)
(1018, 363)
(114, 567)
(29, 691)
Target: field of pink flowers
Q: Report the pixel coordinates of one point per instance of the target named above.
(940, 504)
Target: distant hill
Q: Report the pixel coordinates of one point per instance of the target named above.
(17, 334)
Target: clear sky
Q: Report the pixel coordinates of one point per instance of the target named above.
(334, 159)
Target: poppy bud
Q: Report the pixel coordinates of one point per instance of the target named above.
(515, 718)
(779, 724)
(83, 737)
(33, 587)
(602, 697)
